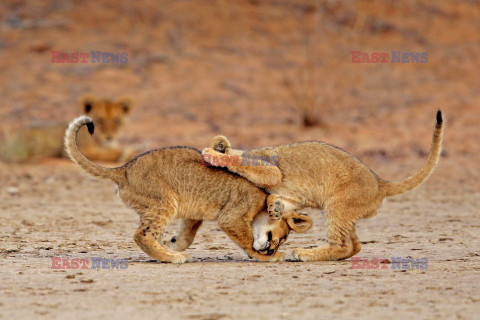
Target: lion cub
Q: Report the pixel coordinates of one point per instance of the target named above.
(37, 142)
(173, 183)
(318, 175)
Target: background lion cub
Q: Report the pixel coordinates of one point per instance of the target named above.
(45, 140)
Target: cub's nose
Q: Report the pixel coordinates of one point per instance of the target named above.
(261, 246)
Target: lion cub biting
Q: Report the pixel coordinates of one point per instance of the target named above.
(318, 175)
(173, 183)
(46, 140)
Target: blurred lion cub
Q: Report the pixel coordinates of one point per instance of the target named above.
(45, 140)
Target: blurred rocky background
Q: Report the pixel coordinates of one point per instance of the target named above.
(260, 72)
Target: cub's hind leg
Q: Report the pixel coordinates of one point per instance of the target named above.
(356, 245)
(185, 235)
(152, 224)
(341, 244)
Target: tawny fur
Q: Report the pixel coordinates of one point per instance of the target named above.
(175, 183)
(36, 142)
(318, 175)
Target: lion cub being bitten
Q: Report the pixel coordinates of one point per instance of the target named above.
(318, 175)
(173, 183)
(41, 141)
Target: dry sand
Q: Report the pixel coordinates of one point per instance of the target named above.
(53, 210)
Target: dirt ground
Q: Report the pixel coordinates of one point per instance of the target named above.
(200, 68)
(53, 210)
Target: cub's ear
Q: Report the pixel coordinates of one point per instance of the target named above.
(126, 103)
(86, 104)
(298, 222)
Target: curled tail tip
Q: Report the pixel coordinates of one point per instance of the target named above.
(74, 126)
(439, 118)
(84, 119)
(81, 120)
(90, 127)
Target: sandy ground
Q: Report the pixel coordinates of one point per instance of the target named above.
(249, 70)
(54, 210)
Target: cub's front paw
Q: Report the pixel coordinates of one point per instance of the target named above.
(275, 207)
(179, 258)
(220, 144)
(277, 256)
(303, 254)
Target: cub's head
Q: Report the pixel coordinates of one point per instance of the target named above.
(108, 116)
(269, 234)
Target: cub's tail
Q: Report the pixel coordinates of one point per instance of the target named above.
(114, 174)
(410, 183)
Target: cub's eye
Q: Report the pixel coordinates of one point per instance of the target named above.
(269, 235)
(118, 121)
(100, 122)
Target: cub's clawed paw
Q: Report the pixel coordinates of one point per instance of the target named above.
(220, 144)
(275, 207)
(277, 256)
(179, 258)
(275, 210)
(302, 255)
